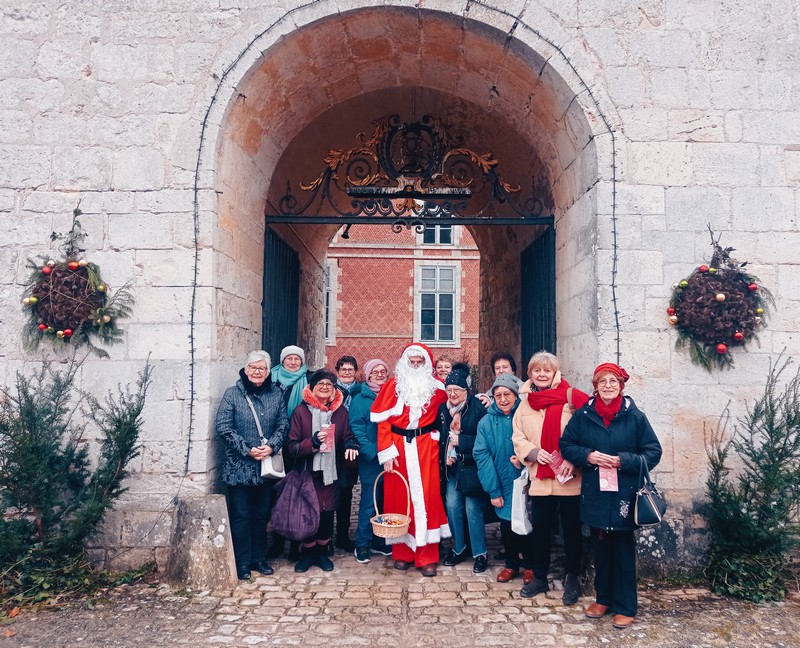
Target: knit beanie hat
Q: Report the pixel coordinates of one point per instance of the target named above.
(371, 364)
(508, 381)
(458, 378)
(293, 350)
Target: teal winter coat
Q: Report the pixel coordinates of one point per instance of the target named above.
(492, 450)
(363, 429)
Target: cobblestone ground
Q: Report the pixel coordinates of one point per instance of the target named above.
(375, 605)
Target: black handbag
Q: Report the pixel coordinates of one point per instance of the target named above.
(650, 505)
(467, 481)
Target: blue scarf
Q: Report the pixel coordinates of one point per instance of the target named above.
(295, 379)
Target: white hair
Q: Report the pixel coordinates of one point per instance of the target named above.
(258, 356)
(415, 385)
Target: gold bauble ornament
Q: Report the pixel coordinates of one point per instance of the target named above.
(673, 319)
(720, 297)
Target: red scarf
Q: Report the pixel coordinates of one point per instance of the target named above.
(608, 412)
(552, 401)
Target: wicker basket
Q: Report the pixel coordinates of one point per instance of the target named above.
(390, 525)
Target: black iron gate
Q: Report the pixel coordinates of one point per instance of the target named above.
(281, 295)
(538, 298)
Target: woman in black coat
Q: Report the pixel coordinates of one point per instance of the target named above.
(250, 495)
(458, 429)
(607, 437)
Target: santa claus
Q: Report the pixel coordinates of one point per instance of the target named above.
(408, 442)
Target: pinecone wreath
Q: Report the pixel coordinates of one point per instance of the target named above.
(718, 307)
(67, 301)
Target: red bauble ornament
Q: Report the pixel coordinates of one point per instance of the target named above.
(43, 327)
(73, 265)
(67, 332)
(47, 270)
(670, 311)
(703, 268)
(738, 335)
(721, 348)
(752, 287)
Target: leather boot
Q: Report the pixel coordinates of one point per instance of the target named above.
(321, 558)
(307, 556)
(535, 587)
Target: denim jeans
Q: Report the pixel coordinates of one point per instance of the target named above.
(458, 505)
(368, 471)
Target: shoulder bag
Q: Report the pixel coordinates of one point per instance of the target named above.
(650, 504)
(272, 467)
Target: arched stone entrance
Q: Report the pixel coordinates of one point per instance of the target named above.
(499, 86)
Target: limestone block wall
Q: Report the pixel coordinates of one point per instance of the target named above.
(114, 103)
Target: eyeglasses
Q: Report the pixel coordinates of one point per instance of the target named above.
(325, 383)
(253, 369)
(347, 370)
(379, 372)
(608, 381)
(454, 390)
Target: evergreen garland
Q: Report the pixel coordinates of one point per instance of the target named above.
(67, 300)
(717, 307)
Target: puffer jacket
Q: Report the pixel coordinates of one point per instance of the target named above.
(492, 451)
(629, 436)
(236, 427)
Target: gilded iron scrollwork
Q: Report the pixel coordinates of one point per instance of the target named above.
(413, 174)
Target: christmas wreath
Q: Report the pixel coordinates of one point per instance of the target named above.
(67, 300)
(718, 307)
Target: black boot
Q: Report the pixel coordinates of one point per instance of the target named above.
(536, 586)
(294, 551)
(321, 558)
(572, 590)
(307, 558)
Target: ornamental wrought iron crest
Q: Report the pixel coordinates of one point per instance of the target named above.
(413, 174)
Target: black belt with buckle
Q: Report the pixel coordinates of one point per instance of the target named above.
(413, 433)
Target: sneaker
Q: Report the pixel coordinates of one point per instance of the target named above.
(454, 558)
(362, 555)
(480, 565)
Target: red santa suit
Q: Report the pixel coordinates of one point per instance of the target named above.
(418, 456)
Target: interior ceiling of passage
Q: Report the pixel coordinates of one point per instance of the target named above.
(321, 84)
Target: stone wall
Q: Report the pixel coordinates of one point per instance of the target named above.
(168, 126)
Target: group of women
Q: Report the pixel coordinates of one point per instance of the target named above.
(582, 454)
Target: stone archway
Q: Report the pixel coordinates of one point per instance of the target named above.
(491, 85)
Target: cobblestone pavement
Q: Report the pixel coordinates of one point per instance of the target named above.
(375, 605)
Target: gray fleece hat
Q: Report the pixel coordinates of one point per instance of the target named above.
(508, 381)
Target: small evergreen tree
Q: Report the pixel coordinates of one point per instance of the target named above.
(752, 515)
(51, 496)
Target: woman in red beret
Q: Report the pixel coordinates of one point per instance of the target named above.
(606, 438)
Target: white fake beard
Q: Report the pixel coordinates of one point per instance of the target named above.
(415, 387)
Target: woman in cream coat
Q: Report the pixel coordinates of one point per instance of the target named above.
(547, 405)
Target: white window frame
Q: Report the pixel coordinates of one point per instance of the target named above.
(432, 263)
(330, 291)
(453, 236)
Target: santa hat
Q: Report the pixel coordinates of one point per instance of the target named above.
(418, 349)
